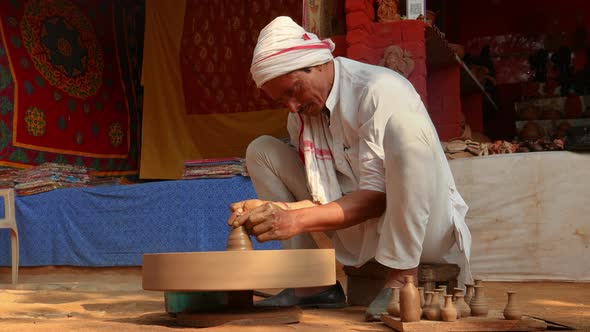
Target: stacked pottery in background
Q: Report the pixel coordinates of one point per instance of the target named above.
(409, 300)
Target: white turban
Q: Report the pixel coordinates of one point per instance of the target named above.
(283, 46)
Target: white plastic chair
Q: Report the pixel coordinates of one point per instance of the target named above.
(9, 221)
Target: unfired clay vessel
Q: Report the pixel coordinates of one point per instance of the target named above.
(427, 299)
(238, 239)
(463, 309)
(479, 304)
(468, 293)
(393, 307)
(432, 311)
(409, 300)
(421, 292)
(512, 310)
(449, 312)
(457, 291)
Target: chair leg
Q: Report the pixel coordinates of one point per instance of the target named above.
(14, 242)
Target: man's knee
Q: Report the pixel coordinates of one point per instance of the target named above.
(259, 146)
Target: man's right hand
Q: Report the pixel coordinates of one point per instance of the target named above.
(239, 208)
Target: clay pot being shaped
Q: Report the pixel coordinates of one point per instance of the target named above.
(393, 307)
(469, 293)
(238, 239)
(409, 300)
(449, 312)
(479, 304)
(512, 310)
(432, 311)
(463, 309)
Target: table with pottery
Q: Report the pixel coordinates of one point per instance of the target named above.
(410, 309)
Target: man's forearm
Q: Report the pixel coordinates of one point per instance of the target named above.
(349, 210)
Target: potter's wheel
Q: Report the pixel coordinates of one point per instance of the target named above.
(239, 270)
(237, 273)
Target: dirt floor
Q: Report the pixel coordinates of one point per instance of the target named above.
(111, 299)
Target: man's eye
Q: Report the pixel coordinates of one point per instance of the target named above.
(290, 92)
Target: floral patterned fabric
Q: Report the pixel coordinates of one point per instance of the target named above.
(68, 92)
(217, 43)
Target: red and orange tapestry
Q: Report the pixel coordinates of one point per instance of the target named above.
(66, 93)
(218, 40)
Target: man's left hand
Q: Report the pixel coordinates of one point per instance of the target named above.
(269, 222)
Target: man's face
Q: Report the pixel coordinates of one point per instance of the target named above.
(301, 91)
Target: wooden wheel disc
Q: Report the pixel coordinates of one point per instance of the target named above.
(239, 270)
(251, 316)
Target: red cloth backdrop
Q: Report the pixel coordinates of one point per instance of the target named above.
(70, 103)
(218, 40)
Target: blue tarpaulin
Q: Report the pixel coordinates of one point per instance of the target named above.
(116, 225)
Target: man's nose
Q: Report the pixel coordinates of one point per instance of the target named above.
(293, 106)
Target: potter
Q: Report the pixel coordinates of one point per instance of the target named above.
(364, 165)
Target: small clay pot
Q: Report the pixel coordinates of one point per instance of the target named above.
(512, 310)
(393, 307)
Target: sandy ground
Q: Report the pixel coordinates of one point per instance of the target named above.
(111, 299)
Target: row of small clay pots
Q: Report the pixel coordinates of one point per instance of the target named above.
(455, 306)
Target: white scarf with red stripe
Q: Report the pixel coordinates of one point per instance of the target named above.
(315, 140)
(283, 46)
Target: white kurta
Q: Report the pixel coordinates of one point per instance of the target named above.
(384, 140)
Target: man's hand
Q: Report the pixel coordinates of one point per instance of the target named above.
(268, 222)
(239, 208)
